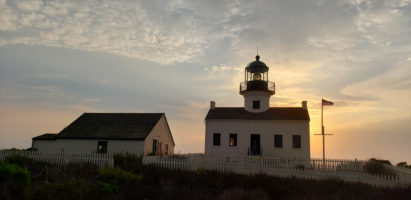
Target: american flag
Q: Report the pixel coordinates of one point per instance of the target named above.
(327, 103)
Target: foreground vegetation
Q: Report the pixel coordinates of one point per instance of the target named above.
(22, 178)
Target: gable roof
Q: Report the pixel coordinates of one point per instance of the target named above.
(274, 113)
(46, 136)
(124, 126)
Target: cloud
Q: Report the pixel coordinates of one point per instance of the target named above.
(165, 36)
(191, 111)
(396, 79)
(93, 100)
(82, 108)
(223, 68)
(75, 56)
(185, 31)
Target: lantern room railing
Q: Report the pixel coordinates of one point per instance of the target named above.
(257, 85)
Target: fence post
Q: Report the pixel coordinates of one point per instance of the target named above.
(46, 174)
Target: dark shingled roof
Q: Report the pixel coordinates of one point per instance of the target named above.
(47, 136)
(276, 113)
(130, 126)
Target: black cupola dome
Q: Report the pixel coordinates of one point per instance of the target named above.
(257, 66)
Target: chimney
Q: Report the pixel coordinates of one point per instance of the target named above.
(304, 105)
(212, 104)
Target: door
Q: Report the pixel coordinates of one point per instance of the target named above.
(255, 147)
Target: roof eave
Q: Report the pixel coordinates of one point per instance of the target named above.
(99, 138)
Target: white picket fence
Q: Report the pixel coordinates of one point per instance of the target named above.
(346, 170)
(101, 160)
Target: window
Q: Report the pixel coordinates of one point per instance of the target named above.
(102, 146)
(296, 141)
(216, 139)
(278, 141)
(166, 149)
(256, 104)
(160, 147)
(233, 139)
(154, 150)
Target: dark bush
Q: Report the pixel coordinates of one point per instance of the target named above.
(78, 189)
(374, 166)
(19, 160)
(118, 176)
(129, 162)
(300, 166)
(403, 164)
(201, 172)
(242, 194)
(14, 181)
(85, 181)
(81, 170)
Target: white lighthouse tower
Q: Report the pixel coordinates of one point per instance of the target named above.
(256, 88)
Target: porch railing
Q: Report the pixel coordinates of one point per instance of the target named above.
(257, 85)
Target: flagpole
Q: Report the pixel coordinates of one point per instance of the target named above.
(322, 131)
(327, 103)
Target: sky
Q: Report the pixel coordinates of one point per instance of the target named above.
(59, 59)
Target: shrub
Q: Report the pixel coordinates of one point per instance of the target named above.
(180, 156)
(78, 189)
(201, 172)
(373, 166)
(19, 160)
(106, 188)
(300, 166)
(240, 193)
(129, 162)
(151, 154)
(403, 164)
(81, 170)
(119, 176)
(14, 181)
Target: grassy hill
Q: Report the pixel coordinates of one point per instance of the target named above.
(22, 178)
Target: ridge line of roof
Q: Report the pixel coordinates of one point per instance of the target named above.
(120, 113)
(268, 108)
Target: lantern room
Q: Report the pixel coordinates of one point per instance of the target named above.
(256, 71)
(256, 77)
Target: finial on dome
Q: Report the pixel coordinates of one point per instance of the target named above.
(257, 57)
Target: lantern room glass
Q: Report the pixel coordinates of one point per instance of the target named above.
(256, 76)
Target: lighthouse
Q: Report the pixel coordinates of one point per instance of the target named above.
(256, 88)
(256, 128)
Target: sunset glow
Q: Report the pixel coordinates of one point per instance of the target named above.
(59, 59)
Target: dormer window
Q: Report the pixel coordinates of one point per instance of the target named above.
(256, 104)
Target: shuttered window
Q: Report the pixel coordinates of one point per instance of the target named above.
(278, 141)
(297, 141)
(154, 150)
(233, 139)
(216, 139)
